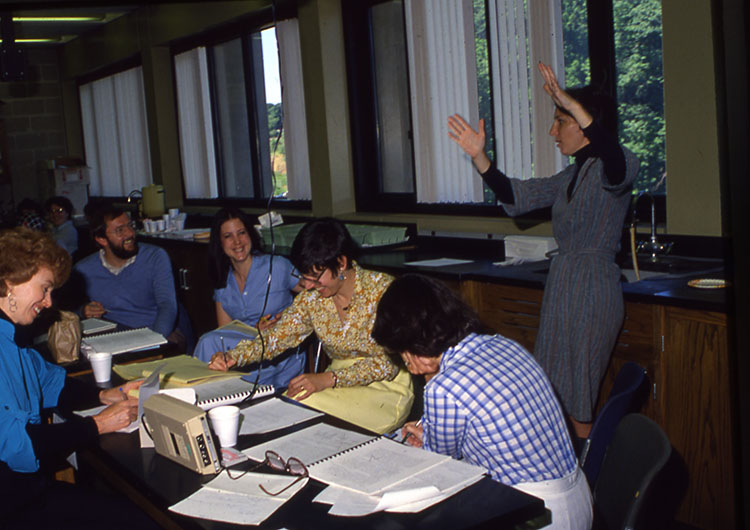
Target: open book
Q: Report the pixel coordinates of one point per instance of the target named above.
(372, 465)
(177, 371)
(125, 341)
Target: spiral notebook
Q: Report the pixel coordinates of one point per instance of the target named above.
(365, 463)
(228, 392)
(125, 341)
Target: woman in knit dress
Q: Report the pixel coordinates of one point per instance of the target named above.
(582, 309)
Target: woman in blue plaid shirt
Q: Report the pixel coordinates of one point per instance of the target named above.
(486, 400)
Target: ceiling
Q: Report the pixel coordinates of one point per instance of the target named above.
(56, 31)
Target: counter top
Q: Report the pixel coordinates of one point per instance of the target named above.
(655, 288)
(659, 288)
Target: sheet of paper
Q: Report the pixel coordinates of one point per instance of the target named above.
(310, 444)
(149, 387)
(238, 501)
(273, 414)
(439, 262)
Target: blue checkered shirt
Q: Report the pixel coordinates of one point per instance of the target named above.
(492, 405)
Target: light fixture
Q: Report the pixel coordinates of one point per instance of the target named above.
(58, 19)
(34, 41)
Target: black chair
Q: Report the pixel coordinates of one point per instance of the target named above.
(621, 401)
(638, 452)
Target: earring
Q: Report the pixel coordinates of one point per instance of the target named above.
(341, 274)
(12, 304)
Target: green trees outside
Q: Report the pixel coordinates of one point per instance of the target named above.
(640, 78)
(277, 149)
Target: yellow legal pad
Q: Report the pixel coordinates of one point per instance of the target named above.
(178, 371)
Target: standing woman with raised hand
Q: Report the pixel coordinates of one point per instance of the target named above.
(240, 272)
(582, 309)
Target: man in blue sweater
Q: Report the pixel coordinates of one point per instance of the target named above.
(128, 283)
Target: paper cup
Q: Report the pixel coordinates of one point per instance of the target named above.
(101, 364)
(173, 213)
(226, 421)
(161, 225)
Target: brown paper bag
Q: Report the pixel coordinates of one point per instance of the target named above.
(64, 338)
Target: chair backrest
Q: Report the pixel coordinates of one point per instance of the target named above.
(621, 400)
(639, 450)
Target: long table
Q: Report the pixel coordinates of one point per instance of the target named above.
(154, 483)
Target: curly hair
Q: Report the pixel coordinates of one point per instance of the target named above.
(422, 316)
(218, 260)
(320, 243)
(62, 202)
(24, 252)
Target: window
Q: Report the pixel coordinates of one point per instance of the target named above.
(478, 58)
(115, 134)
(229, 96)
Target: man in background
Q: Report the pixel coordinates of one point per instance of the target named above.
(128, 283)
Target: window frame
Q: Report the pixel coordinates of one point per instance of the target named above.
(363, 122)
(242, 29)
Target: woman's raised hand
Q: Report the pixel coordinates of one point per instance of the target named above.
(561, 98)
(471, 141)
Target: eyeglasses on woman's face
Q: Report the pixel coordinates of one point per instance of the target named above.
(314, 280)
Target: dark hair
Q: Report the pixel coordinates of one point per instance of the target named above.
(25, 251)
(422, 316)
(62, 202)
(101, 216)
(319, 245)
(218, 261)
(600, 105)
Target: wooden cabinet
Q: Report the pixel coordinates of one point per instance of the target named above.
(686, 355)
(194, 288)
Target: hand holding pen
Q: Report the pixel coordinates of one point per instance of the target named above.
(220, 361)
(413, 434)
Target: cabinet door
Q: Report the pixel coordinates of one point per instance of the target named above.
(639, 341)
(194, 289)
(509, 310)
(696, 408)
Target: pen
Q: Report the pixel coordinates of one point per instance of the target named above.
(223, 350)
(409, 434)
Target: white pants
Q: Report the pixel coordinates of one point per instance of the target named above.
(568, 499)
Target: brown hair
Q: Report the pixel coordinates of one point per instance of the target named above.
(24, 252)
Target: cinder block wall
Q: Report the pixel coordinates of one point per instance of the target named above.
(33, 129)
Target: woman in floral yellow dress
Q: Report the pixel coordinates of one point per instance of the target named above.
(362, 384)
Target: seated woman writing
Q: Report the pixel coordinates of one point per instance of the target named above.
(240, 274)
(486, 399)
(362, 384)
(31, 265)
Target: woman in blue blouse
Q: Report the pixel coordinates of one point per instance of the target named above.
(31, 265)
(240, 274)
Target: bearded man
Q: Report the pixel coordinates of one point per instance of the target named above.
(128, 283)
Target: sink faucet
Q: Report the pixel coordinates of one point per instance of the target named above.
(137, 194)
(652, 247)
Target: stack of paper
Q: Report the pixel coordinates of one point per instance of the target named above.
(239, 501)
(178, 371)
